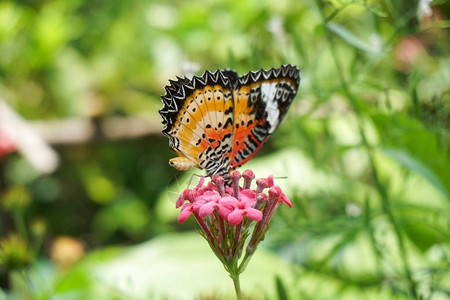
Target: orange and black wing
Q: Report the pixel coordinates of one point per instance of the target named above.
(261, 100)
(197, 116)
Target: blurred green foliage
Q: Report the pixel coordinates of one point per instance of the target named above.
(368, 135)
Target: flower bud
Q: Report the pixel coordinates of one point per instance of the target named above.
(220, 184)
(248, 178)
(261, 184)
(235, 182)
(274, 191)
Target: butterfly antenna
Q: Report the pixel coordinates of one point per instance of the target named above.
(281, 177)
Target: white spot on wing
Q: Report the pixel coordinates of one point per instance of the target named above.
(268, 91)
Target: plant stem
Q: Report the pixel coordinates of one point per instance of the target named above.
(233, 270)
(390, 214)
(19, 222)
(237, 286)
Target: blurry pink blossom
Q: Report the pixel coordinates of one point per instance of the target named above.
(6, 145)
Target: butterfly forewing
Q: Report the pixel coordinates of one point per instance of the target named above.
(201, 130)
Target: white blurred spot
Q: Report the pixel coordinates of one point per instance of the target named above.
(190, 68)
(353, 210)
(275, 27)
(162, 16)
(376, 42)
(424, 8)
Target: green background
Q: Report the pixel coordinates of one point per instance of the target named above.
(363, 152)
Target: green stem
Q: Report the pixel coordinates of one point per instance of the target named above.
(19, 222)
(233, 270)
(237, 286)
(400, 241)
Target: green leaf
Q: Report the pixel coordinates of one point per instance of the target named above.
(412, 164)
(281, 289)
(350, 38)
(424, 226)
(415, 147)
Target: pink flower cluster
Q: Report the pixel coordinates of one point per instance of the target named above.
(232, 203)
(229, 213)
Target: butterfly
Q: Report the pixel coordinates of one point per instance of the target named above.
(218, 121)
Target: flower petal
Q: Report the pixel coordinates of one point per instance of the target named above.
(223, 211)
(198, 203)
(229, 202)
(253, 214)
(229, 190)
(235, 217)
(184, 215)
(186, 206)
(207, 209)
(248, 197)
(180, 201)
(209, 196)
(285, 199)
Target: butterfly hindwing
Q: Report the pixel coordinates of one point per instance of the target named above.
(261, 100)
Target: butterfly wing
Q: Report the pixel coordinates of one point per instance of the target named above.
(198, 119)
(261, 100)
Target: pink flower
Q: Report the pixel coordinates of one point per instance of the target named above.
(219, 207)
(232, 202)
(244, 207)
(229, 201)
(212, 202)
(247, 196)
(186, 211)
(285, 199)
(182, 198)
(191, 194)
(279, 195)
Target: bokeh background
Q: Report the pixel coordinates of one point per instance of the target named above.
(88, 212)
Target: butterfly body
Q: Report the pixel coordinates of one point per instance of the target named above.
(182, 163)
(218, 121)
